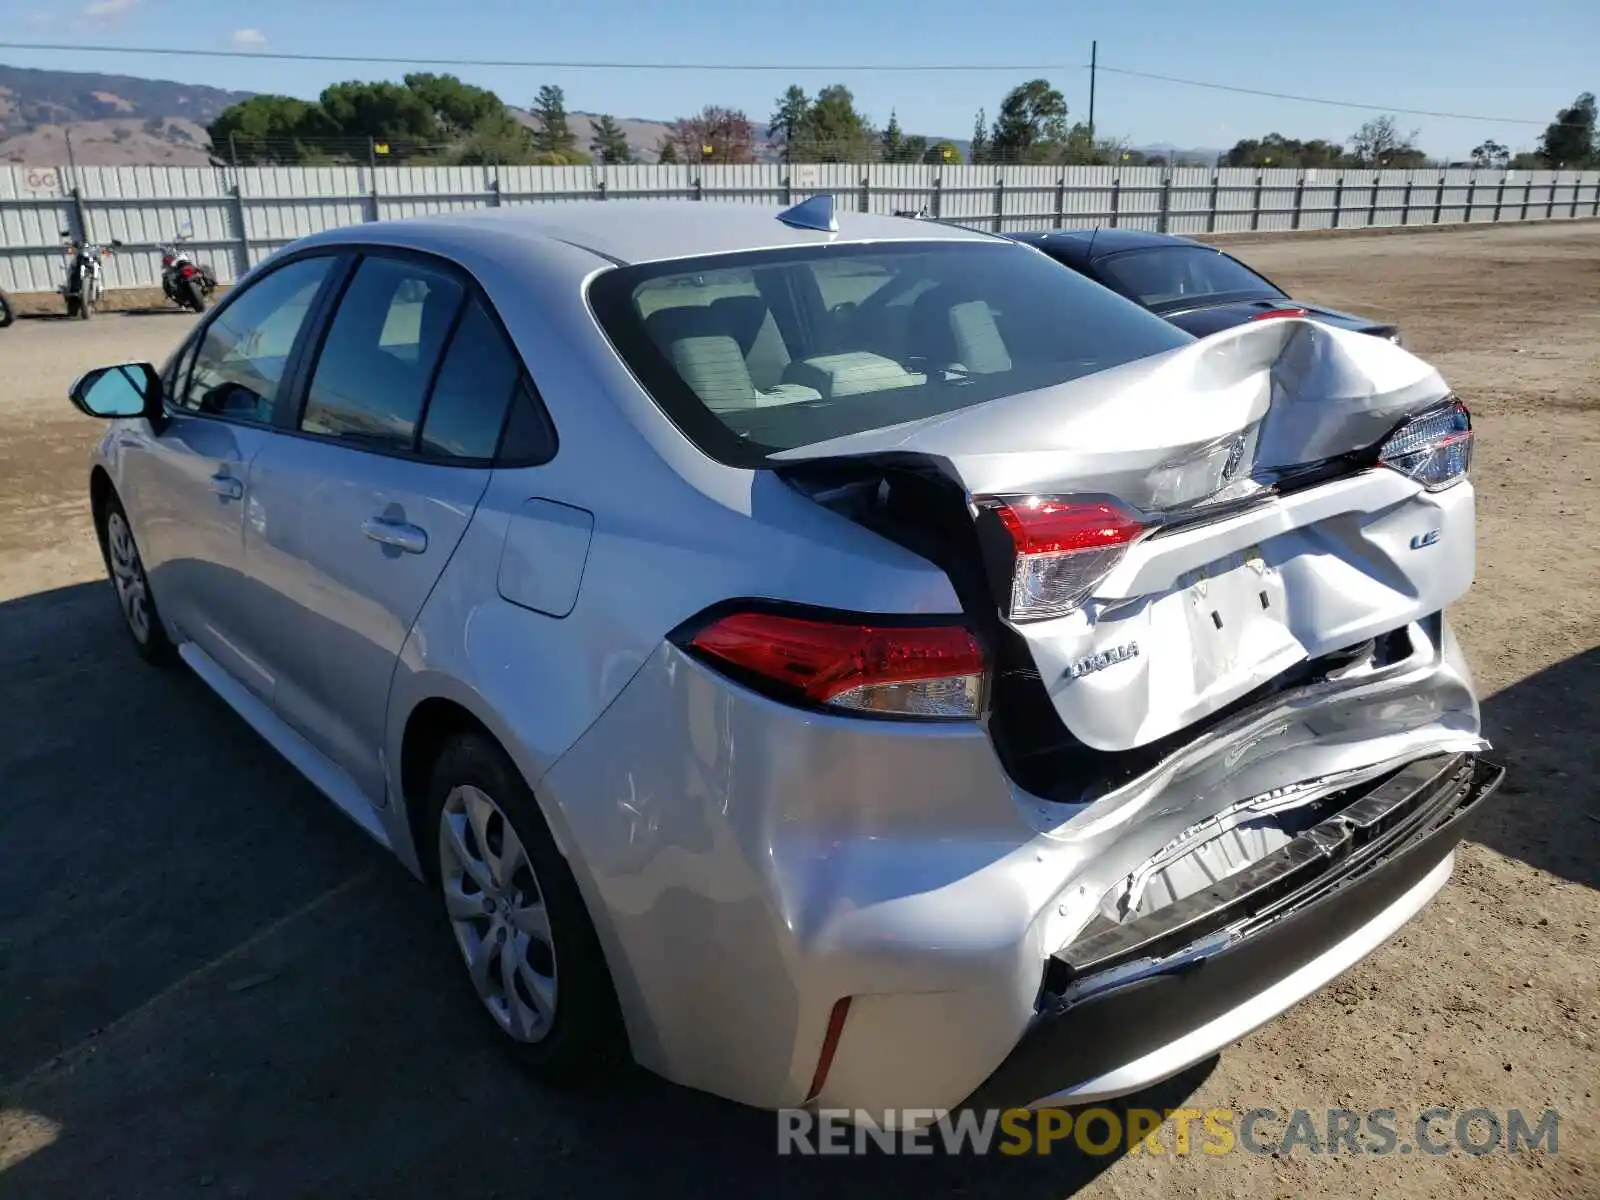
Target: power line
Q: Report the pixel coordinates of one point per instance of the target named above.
(1386, 108)
(600, 65)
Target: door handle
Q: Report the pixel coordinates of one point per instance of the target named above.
(226, 485)
(397, 534)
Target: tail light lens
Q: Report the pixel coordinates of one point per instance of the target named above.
(166, 260)
(188, 272)
(854, 664)
(1435, 448)
(1272, 314)
(1062, 546)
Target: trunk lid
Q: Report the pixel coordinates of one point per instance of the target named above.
(1279, 540)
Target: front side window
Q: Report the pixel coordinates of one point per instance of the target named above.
(240, 361)
(1172, 277)
(755, 353)
(380, 352)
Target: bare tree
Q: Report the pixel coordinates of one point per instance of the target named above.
(715, 134)
(1379, 143)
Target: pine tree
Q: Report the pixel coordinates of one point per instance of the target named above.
(553, 136)
(891, 141)
(610, 144)
(980, 139)
(667, 151)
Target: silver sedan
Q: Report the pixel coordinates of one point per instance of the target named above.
(824, 658)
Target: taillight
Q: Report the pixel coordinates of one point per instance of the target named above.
(166, 260)
(858, 664)
(188, 272)
(1273, 313)
(1062, 546)
(1435, 448)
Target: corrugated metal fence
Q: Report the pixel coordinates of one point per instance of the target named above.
(239, 216)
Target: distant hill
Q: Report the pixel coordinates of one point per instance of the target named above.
(113, 119)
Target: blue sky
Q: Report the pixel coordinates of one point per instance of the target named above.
(1489, 57)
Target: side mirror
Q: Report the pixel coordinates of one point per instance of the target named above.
(126, 390)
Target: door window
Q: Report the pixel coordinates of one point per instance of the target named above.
(380, 354)
(239, 365)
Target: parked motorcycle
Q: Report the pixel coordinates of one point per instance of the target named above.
(7, 314)
(85, 289)
(186, 283)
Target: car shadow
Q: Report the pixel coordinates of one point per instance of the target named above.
(211, 980)
(1546, 730)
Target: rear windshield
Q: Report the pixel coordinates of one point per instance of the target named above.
(1174, 277)
(754, 353)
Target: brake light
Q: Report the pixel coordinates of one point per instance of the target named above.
(166, 260)
(1270, 314)
(857, 664)
(1062, 546)
(1434, 448)
(188, 272)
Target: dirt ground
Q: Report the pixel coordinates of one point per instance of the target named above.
(211, 984)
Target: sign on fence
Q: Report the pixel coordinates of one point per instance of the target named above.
(42, 181)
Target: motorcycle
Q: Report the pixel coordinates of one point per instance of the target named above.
(85, 289)
(6, 313)
(186, 283)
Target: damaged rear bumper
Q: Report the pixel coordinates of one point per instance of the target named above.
(1128, 1006)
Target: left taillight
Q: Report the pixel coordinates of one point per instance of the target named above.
(1277, 313)
(1059, 548)
(864, 665)
(1434, 448)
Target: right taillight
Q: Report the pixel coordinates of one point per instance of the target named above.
(860, 664)
(1434, 448)
(1274, 314)
(1060, 548)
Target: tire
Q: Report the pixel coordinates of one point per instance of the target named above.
(125, 569)
(85, 307)
(573, 1035)
(6, 315)
(73, 305)
(193, 297)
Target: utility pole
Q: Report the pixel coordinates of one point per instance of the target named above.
(1094, 58)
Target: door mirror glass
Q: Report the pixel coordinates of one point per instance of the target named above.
(128, 390)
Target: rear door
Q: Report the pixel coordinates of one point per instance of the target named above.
(356, 511)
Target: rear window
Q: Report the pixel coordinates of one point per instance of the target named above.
(754, 353)
(1178, 276)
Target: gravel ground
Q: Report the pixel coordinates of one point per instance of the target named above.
(211, 984)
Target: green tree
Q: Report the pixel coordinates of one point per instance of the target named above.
(1490, 153)
(979, 151)
(788, 121)
(1031, 125)
(833, 130)
(891, 142)
(667, 151)
(1569, 140)
(269, 129)
(553, 135)
(387, 113)
(610, 144)
(1526, 160)
(458, 107)
(942, 154)
(1379, 143)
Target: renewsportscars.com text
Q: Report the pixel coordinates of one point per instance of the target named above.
(1179, 1131)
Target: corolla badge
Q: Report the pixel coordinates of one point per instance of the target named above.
(1099, 662)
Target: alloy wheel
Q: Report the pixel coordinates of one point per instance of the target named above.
(127, 575)
(497, 912)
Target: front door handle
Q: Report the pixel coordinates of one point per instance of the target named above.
(397, 534)
(226, 485)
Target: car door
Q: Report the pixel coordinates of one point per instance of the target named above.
(357, 511)
(187, 483)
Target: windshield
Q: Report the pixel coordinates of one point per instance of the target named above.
(1182, 276)
(764, 351)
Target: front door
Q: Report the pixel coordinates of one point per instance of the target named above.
(189, 481)
(362, 506)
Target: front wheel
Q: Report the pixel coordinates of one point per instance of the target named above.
(519, 921)
(126, 569)
(193, 297)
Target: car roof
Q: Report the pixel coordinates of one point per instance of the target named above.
(624, 232)
(1088, 245)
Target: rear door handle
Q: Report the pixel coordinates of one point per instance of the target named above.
(397, 534)
(226, 485)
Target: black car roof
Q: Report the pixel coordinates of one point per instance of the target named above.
(1087, 245)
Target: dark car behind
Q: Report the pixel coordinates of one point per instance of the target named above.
(1196, 287)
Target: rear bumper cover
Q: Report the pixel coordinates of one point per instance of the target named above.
(1126, 1008)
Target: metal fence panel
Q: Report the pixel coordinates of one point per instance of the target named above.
(236, 217)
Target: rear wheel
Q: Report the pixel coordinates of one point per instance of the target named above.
(194, 295)
(519, 921)
(126, 569)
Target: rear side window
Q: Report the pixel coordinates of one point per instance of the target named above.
(380, 353)
(239, 363)
(755, 353)
(468, 405)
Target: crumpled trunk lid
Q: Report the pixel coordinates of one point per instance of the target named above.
(1281, 539)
